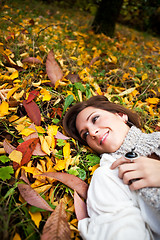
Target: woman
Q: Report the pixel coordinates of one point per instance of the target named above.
(116, 212)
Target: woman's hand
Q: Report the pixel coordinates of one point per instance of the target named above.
(146, 172)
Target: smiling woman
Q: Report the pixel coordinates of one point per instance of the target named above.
(116, 212)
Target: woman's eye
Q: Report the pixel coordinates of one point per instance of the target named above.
(85, 135)
(95, 118)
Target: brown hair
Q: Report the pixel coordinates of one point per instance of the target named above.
(101, 102)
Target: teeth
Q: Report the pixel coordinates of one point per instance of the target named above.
(103, 137)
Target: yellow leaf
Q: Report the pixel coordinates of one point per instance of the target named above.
(27, 131)
(94, 168)
(17, 237)
(4, 109)
(151, 110)
(42, 188)
(32, 170)
(14, 75)
(152, 100)
(73, 58)
(44, 145)
(144, 76)
(10, 93)
(40, 129)
(125, 76)
(36, 217)
(66, 151)
(18, 96)
(133, 69)
(46, 95)
(52, 130)
(16, 156)
(48, 140)
(20, 127)
(60, 165)
(112, 59)
(126, 92)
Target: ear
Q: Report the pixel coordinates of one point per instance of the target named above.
(123, 116)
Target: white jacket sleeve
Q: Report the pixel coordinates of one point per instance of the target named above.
(112, 210)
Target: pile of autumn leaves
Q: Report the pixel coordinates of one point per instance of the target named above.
(34, 158)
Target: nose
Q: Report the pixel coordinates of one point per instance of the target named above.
(93, 132)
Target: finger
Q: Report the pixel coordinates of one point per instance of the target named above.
(119, 162)
(124, 168)
(136, 185)
(131, 176)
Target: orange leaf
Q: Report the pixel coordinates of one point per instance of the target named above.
(70, 180)
(80, 207)
(26, 148)
(32, 197)
(57, 226)
(33, 112)
(53, 70)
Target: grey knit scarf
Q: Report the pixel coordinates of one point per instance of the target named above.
(145, 145)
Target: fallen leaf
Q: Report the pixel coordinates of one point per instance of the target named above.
(16, 156)
(33, 111)
(56, 226)
(71, 181)
(8, 147)
(60, 135)
(36, 217)
(4, 106)
(32, 60)
(53, 70)
(80, 207)
(32, 95)
(32, 197)
(26, 148)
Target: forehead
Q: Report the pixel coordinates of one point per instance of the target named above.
(83, 115)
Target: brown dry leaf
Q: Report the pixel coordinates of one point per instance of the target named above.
(8, 147)
(57, 227)
(60, 135)
(70, 180)
(33, 112)
(32, 197)
(32, 60)
(53, 70)
(80, 207)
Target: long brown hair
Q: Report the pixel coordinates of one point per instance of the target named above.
(101, 102)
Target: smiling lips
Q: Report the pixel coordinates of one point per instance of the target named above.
(104, 137)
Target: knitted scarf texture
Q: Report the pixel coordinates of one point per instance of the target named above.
(144, 144)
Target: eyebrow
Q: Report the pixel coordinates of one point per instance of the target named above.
(87, 120)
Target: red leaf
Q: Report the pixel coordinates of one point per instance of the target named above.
(32, 95)
(32, 197)
(33, 112)
(80, 207)
(70, 180)
(26, 148)
(57, 227)
(53, 70)
(31, 60)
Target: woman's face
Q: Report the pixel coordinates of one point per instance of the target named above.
(103, 131)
